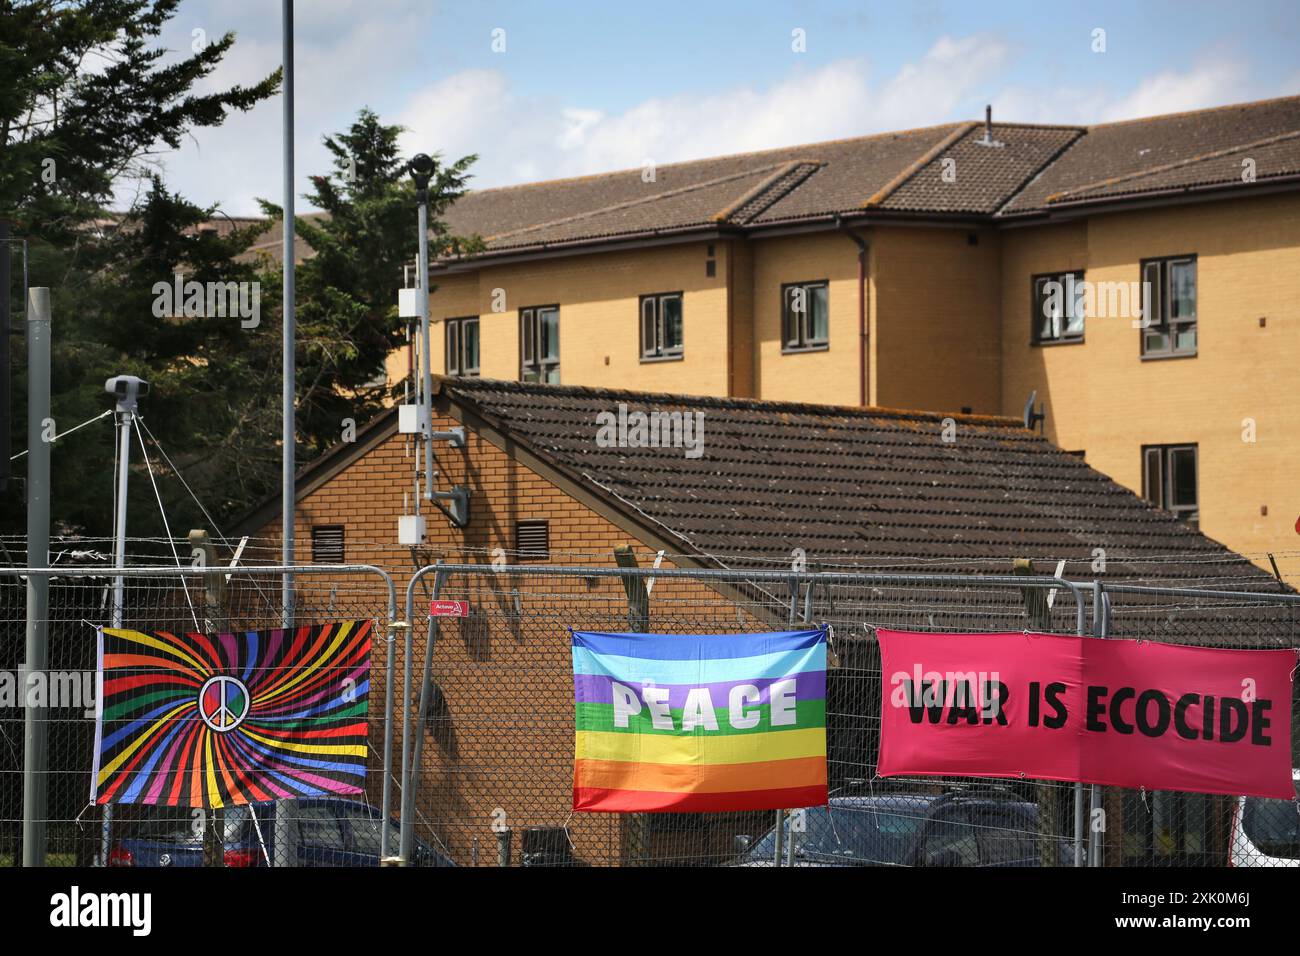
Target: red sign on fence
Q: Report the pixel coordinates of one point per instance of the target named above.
(449, 608)
(1111, 712)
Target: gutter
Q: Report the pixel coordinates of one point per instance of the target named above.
(703, 233)
(1171, 196)
(863, 349)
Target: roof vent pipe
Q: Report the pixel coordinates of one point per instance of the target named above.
(988, 139)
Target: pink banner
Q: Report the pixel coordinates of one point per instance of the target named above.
(1111, 712)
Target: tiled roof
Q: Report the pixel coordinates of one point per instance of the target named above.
(882, 489)
(1204, 148)
(868, 489)
(696, 192)
(948, 170)
(983, 175)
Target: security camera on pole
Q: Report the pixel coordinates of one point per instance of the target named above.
(128, 390)
(419, 419)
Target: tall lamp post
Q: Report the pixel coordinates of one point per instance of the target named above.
(289, 369)
(421, 167)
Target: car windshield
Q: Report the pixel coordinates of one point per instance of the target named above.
(1273, 826)
(174, 825)
(849, 834)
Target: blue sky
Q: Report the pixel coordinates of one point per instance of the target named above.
(584, 87)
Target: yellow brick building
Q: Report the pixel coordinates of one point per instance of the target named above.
(916, 270)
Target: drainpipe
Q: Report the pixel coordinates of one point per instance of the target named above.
(862, 308)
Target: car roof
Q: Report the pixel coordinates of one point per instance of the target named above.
(883, 802)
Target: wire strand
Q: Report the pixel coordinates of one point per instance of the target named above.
(54, 438)
(144, 452)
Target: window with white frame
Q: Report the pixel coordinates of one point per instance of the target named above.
(661, 326)
(462, 346)
(805, 317)
(539, 344)
(1169, 306)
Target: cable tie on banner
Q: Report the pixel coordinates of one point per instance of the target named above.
(1145, 805)
(565, 828)
(89, 805)
(830, 815)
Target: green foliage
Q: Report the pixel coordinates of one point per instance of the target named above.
(345, 294)
(84, 85)
(87, 98)
(214, 405)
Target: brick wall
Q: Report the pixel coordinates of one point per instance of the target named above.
(500, 748)
(1103, 398)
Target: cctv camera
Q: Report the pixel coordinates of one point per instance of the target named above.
(128, 390)
(421, 166)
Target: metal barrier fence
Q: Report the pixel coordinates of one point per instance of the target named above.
(492, 745)
(471, 721)
(491, 755)
(81, 599)
(1168, 828)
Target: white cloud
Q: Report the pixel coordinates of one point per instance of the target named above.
(348, 60)
(336, 51)
(1212, 82)
(519, 137)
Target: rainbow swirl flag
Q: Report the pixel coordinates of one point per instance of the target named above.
(208, 720)
(699, 723)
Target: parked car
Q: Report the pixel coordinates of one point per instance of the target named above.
(1265, 832)
(311, 832)
(962, 828)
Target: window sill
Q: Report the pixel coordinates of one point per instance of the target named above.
(655, 359)
(1049, 343)
(806, 348)
(1164, 358)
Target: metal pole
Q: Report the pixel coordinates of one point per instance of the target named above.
(1078, 787)
(290, 359)
(386, 788)
(36, 727)
(426, 401)
(417, 744)
(780, 814)
(1094, 801)
(124, 420)
(4, 354)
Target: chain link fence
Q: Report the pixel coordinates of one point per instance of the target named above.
(82, 599)
(476, 712)
(492, 779)
(1168, 828)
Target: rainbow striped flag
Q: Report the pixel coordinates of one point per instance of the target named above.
(711, 722)
(211, 720)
